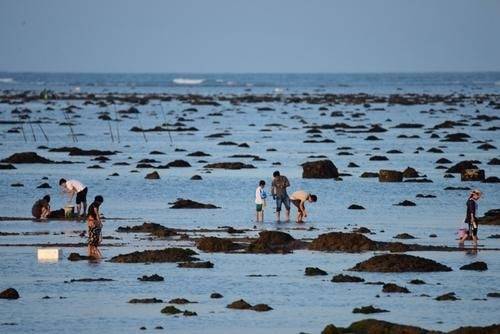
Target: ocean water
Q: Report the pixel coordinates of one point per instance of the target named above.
(301, 304)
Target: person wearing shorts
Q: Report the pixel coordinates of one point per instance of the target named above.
(278, 190)
(470, 216)
(72, 187)
(299, 199)
(260, 201)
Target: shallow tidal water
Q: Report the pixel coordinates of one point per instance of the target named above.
(300, 303)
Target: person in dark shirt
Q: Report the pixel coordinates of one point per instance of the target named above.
(41, 208)
(470, 216)
(94, 225)
(278, 191)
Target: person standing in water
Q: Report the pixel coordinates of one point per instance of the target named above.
(299, 199)
(278, 190)
(94, 224)
(72, 187)
(260, 201)
(470, 216)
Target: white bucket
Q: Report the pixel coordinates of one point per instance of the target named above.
(49, 254)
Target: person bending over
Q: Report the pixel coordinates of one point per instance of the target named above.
(299, 199)
(72, 187)
(41, 208)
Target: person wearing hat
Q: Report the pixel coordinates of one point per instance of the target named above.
(41, 208)
(94, 224)
(470, 216)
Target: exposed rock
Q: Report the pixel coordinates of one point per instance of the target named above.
(215, 244)
(170, 310)
(341, 278)
(152, 228)
(229, 165)
(198, 154)
(493, 295)
(460, 167)
(491, 179)
(406, 203)
(410, 172)
(78, 257)
(196, 177)
(362, 229)
(239, 305)
(390, 176)
(261, 308)
(180, 301)
(404, 236)
(447, 296)
(369, 175)
(394, 288)
(159, 255)
(417, 282)
(355, 207)
(368, 310)
(27, 158)
(152, 278)
(443, 161)
(478, 266)
(491, 217)
(274, 242)
(399, 263)
(345, 242)
(314, 271)
(89, 280)
(75, 151)
(378, 158)
(425, 196)
(178, 163)
(200, 265)
(494, 162)
(9, 293)
(189, 204)
(216, 295)
(321, 169)
(152, 176)
(7, 166)
(472, 175)
(44, 185)
(145, 301)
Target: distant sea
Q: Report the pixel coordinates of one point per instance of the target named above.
(382, 83)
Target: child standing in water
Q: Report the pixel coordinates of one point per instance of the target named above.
(260, 201)
(94, 225)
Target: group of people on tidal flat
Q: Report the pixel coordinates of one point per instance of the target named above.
(280, 183)
(72, 188)
(280, 195)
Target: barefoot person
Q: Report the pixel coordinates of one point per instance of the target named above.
(94, 225)
(470, 216)
(72, 187)
(260, 201)
(299, 199)
(278, 190)
(41, 208)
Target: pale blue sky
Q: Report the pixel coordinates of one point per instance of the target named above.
(249, 36)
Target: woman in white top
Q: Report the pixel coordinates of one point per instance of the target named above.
(72, 187)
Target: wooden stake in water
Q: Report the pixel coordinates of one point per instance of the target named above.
(116, 120)
(43, 132)
(111, 132)
(24, 135)
(32, 131)
(142, 130)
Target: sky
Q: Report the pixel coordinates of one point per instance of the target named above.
(254, 36)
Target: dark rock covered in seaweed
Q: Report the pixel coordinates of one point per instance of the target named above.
(321, 169)
(158, 255)
(152, 228)
(345, 242)
(399, 263)
(9, 293)
(189, 204)
(274, 242)
(215, 244)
